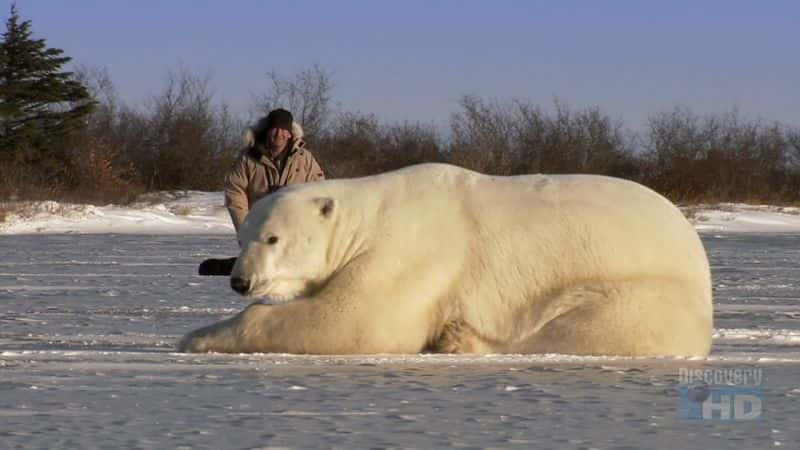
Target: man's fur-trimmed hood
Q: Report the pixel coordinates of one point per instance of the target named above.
(297, 136)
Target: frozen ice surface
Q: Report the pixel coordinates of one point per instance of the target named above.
(88, 325)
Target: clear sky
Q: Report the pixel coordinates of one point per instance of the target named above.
(413, 60)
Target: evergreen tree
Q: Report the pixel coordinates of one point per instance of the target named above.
(39, 104)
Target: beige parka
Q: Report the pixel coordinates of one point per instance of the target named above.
(254, 175)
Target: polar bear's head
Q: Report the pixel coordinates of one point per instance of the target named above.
(284, 241)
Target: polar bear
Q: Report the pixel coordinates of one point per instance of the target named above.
(434, 257)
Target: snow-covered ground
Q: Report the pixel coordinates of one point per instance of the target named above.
(189, 212)
(204, 213)
(740, 218)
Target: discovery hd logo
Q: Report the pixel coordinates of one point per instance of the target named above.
(720, 394)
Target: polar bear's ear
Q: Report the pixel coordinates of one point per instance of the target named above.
(326, 206)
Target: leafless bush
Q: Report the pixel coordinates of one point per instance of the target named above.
(181, 139)
(350, 148)
(306, 93)
(793, 141)
(572, 141)
(23, 182)
(482, 136)
(408, 143)
(358, 145)
(720, 157)
(519, 137)
(187, 140)
(5, 212)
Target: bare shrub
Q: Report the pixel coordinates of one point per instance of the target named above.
(519, 137)
(720, 157)
(406, 143)
(5, 211)
(350, 148)
(181, 139)
(185, 140)
(358, 145)
(793, 141)
(99, 180)
(306, 93)
(482, 134)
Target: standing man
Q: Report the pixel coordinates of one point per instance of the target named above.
(274, 156)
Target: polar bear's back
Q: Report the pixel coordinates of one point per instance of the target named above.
(567, 226)
(607, 227)
(612, 227)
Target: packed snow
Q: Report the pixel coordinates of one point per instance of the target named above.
(194, 212)
(190, 212)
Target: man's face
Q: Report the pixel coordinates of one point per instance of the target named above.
(278, 137)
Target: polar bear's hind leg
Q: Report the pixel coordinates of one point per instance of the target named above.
(635, 318)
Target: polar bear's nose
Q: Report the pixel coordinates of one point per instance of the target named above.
(240, 285)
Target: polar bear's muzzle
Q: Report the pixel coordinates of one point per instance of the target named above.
(240, 285)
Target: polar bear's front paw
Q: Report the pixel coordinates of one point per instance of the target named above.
(215, 338)
(192, 343)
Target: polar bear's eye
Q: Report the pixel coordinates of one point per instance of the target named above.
(272, 240)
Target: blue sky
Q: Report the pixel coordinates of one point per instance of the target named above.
(413, 60)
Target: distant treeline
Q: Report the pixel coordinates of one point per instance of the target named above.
(181, 138)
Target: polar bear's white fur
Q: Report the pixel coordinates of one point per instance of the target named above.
(438, 258)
